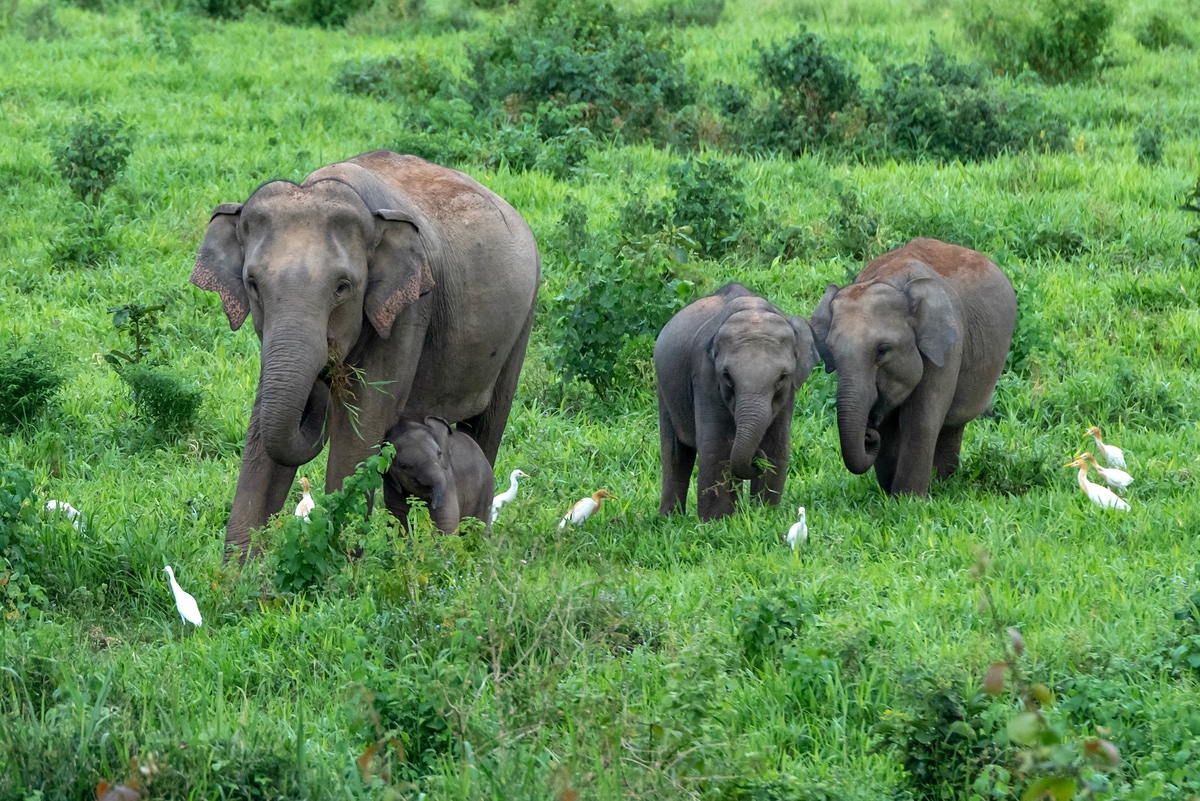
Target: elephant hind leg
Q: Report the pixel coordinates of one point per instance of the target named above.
(946, 452)
(487, 427)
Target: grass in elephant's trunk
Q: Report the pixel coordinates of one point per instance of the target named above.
(343, 378)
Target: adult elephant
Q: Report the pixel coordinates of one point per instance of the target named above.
(918, 342)
(728, 367)
(380, 287)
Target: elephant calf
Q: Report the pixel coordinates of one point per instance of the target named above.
(728, 367)
(918, 342)
(444, 468)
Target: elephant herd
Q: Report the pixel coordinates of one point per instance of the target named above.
(394, 297)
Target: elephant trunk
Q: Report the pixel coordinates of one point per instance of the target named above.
(292, 401)
(860, 443)
(752, 416)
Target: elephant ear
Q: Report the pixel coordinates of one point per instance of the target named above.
(933, 318)
(821, 320)
(399, 269)
(219, 263)
(441, 431)
(806, 350)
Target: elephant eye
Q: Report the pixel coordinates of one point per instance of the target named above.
(343, 286)
(725, 375)
(252, 287)
(883, 350)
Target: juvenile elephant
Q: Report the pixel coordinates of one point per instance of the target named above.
(379, 286)
(728, 367)
(918, 341)
(441, 466)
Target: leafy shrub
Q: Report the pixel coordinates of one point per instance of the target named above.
(397, 77)
(1148, 140)
(406, 717)
(1158, 32)
(685, 13)
(166, 400)
(1185, 653)
(1191, 204)
(1061, 40)
(17, 505)
(446, 132)
(323, 13)
(942, 734)
(566, 52)
(169, 35)
(708, 199)
(225, 9)
(93, 155)
(768, 622)
(853, 230)
(553, 140)
(811, 86)
(42, 23)
(86, 240)
(951, 111)
(306, 553)
(29, 379)
(627, 289)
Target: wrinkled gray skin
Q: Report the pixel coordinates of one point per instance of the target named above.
(420, 279)
(442, 467)
(728, 367)
(918, 342)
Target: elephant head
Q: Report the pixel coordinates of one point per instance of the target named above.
(422, 464)
(760, 357)
(879, 336)
(310, 264)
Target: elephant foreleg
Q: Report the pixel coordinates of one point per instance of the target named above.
(767, 487)
(716, 489)
(262, 489)
(946, 452)
(914, 464)
(889, 452)
(678, 460)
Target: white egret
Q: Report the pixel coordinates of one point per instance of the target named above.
(307, 504)
(184, 602)
(1111, 453)
(1117, 479)
(1101, 496)
(510, 493)
(578, 514)
(798, 534)
(73, 514)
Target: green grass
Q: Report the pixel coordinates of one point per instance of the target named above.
(608, 660)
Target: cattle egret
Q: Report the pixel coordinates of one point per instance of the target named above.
(1101, 496)
(583, 509)
(73, 514)
(510, 493)
(1118, 479)
(1111, 453)
(307, 504)
(798, 534)
(185, 603)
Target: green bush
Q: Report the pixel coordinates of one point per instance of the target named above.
(1148, 140)
(306, 553)
(565, 53)
(93, 155)
(86, 240)
(810, 87)
(1159, 31)
(1061, 40)
(951, 111)
(1191, 204)
(626, 289)
(700, 13)
(169, 34)
(397, 77)
(769, 622)
(18, 593)
(708, 198)
(29, 379)
(165, 399)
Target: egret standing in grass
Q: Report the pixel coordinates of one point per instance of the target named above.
(1117, 479)
(578, 514)
(1101, 496)
(184, 602)
(510, 493)
(307, 504)
(1111, 453)
(798, 534)
(73, 514)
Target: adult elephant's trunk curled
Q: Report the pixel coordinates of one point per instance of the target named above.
(752, 417)
(860, 444)
(292, 401)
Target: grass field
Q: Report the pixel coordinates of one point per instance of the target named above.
(639, 656)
